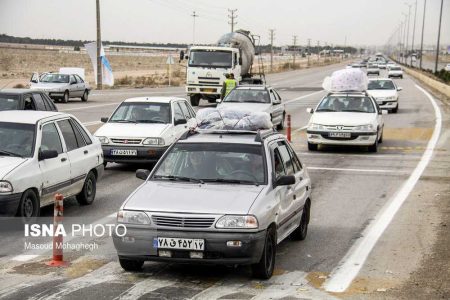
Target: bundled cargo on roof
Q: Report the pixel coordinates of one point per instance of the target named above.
(346, 80)
(213, 119)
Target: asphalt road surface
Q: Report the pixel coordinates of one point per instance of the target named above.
(350, 187)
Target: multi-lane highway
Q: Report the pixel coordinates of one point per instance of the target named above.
(351, 190)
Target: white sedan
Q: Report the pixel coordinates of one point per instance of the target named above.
(385, 92)
(256, 98)
(346, 119)
(141, 129)
(46, 153)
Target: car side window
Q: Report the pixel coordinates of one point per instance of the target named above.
(79, 79)
(297, 164)
(50, 138)
(277, 95)
(73, 79)
(287, 159)
(39, 102)
(49, 103)
(278, 164)
(29, 103)
(80, 139)
(178, 114)
(185, 110)
(273, 99)
(191, 110)
(68, 135)
(86, 137)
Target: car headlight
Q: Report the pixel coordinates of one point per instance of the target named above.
(366, 127)
(5, 187)
(103, 139)
(237, 222)
(391, 98)
(153, 141)
(133, 217)
(313, 126)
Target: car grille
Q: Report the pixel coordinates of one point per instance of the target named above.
(127, 141)
(186, 222)
(209, 78)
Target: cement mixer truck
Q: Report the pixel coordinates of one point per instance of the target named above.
(207, 65)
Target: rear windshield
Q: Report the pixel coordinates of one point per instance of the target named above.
(248, 95)
(9, 102)
(395, 68)
(213, 162)
(381, 85)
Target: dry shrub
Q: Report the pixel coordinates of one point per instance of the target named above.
(19, 86)
(127, 80)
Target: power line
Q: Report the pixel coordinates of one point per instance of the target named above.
(232, 17)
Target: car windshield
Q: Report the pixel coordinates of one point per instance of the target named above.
(141, 112)
(373, 66)
(9, 102)
(248, 95)
(16, 139)
(201, 58)
(55, 78)
(346, 103)
(214, 162)
(381, 85)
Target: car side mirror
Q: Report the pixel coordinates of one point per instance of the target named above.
(104, 119)
(34, 81)
(309, 110)
(384, 112)
(186, 57)
(285, 180)
(399, 88)
(180, 121)
(142, 174)
(47, 154)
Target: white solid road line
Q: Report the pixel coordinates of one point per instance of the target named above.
(354, 170)
(342, 276)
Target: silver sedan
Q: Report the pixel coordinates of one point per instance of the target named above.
(61, 86)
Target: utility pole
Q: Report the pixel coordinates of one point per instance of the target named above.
(439, 37)
(272, 35)
(414, 31)
(295, 49)
(194, 15)
(407, 34)
(405, 45)
(99, 48)
(309, 50)
(232, 17)
(423, 26)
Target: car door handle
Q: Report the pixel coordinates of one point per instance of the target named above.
(300, 179)
(86, 152)
(63, 159)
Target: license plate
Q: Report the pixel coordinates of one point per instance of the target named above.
(340, 134)
(209, 90)
(124, 152)
(179, 243)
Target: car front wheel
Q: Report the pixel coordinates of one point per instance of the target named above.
(264, 268)
(65, 98)
(87, 194)
(312, 147)
(85, 96)
(131, 265)
(29, 205)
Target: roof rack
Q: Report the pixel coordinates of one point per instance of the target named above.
(263, 134)
(348, 92)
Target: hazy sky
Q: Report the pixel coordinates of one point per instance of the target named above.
(363, 22)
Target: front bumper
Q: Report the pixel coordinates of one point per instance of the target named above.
(145, 154)
(356, 138)
(9, 204)
(216, 250)
(204, 90)
(395, 75)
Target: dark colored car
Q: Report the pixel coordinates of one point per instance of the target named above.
(24, 99)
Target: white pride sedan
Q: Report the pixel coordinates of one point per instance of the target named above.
(141, 129)
(352, 119)
(385, 92)
(44, 153)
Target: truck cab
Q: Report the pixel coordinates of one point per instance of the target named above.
(206, 71)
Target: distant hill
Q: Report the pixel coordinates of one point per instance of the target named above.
(4, 38)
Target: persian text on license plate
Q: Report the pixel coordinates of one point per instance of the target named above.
(123, 152)
(179, 243)
(340, 134)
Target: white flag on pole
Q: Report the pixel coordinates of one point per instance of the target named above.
(107, 74)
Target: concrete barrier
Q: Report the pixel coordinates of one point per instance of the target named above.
(433, 83)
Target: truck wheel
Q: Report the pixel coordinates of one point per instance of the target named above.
(65, 98)
(85, 96)
(131, 265)
(87, 194)
(264, 268)
(29, 206)
(195, 100)
(302, 231)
